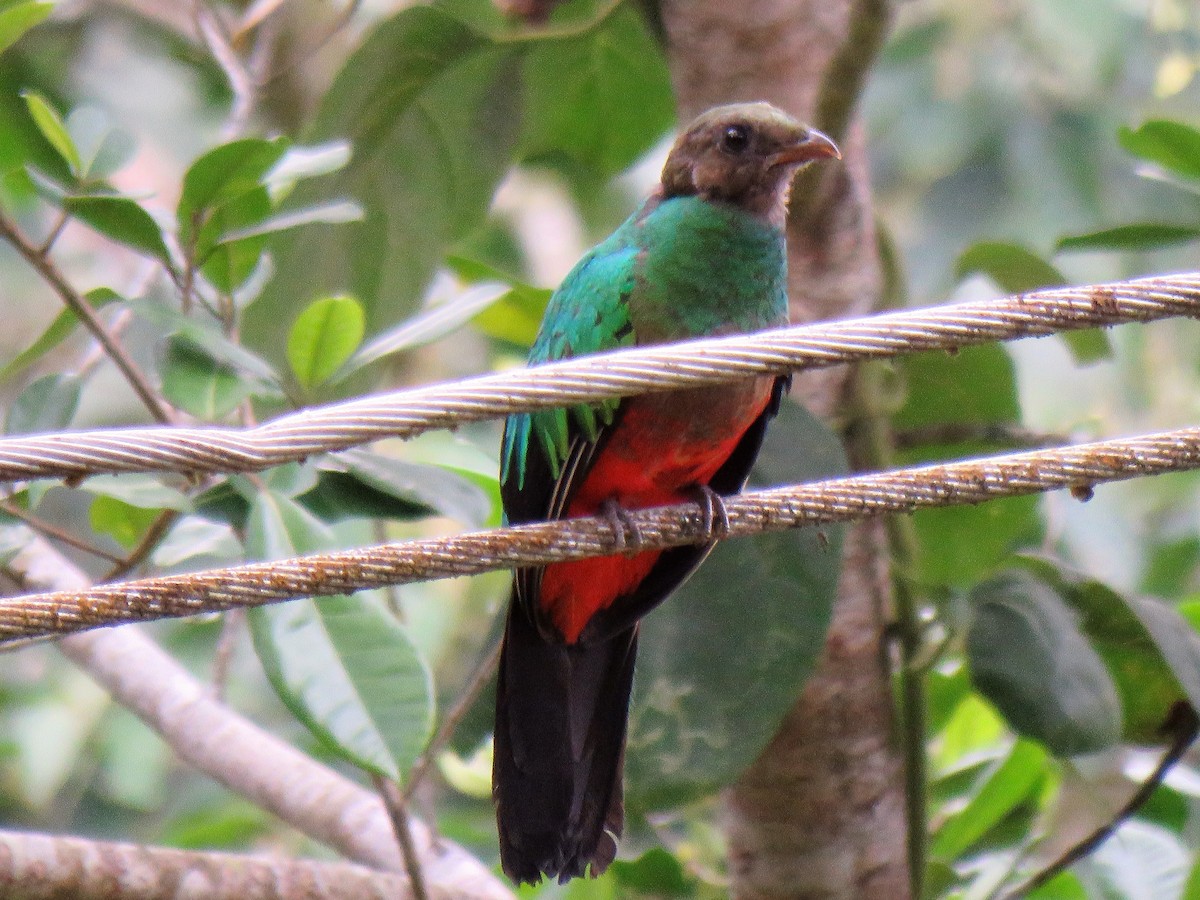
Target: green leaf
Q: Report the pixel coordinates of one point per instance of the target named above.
(1148, 648)
(194, 537)
(199, 384)
(656, 873)
(1172, 145)
(332, 213)
(1141, 861)
(224, 174)
(124, 506)
(103, 148)
(1191, 890)
(300, 163)
(47, 405)
(18, 18)
(121, 521)
(123, 220)
(431, 108)
(577, 95)
(973, 386)
(1018, 778)
(514, 317)
(228, 263)
(1088, 346)
(428, 326)
(1029, 657)
(1013, 268)
(1138, 237)
(422, 487)
(342, 665)
(712, 686)
(49, 122)
(232, 823)
(142, 491)
(949, 397)
(56, 332)
(324, 336)
(207, 338)
(1063, 886)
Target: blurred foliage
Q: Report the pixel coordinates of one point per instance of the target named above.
(394, 210)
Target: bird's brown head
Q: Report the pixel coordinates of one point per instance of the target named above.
(745, 154)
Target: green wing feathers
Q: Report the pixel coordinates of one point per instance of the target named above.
(589, 313)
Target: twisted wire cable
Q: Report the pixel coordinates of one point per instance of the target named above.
(840, 499)
(74, 455)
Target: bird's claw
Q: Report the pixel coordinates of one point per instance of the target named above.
(714, 516)
(625, 530)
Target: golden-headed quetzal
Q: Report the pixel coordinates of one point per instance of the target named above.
(704, 255)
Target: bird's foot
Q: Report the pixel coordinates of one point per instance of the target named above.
(624, 528)
(714, 515)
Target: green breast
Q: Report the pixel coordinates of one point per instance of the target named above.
(706, 268)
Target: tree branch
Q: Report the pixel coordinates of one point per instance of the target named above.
(49, 272)
(42, 865)
(249, 761)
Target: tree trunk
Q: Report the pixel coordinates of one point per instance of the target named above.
(821, 812)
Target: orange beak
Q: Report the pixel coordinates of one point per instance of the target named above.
(814, 145)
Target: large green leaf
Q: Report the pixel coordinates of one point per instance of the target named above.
(323, 336)
(578, 94)
(1013, 268)
(48, 404)
(430, 106)
(1141, 236)
(1140, 862)
(423, 487)
(1173, 145)
(953, 402)
(52, 127)
(222, 175)
(725, 657)
(123, 220)
(1017, 778)
(196, 382)
(342, 665)
(1030, 658)
(1151, 653)
(516, 316)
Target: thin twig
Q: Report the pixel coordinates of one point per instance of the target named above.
(393, 802)
(54, 532)
(232, 624)
(159, 409)
(63, 218)
(1183, 725)
(256, 13)
(452, 719)
(241, 81)
(155, 533)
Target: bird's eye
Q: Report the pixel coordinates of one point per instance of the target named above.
(735, 139)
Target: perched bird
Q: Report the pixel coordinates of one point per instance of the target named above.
(704, 255)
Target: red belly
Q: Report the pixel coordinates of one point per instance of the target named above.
(662, 448)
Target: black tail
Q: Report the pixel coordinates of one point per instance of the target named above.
(559, 748)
